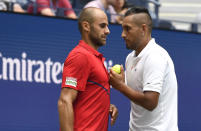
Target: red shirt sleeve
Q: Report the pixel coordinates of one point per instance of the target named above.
(42, 4)
(67, 5)
(76, 71)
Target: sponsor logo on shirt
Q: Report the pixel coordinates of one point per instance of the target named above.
(70, 81)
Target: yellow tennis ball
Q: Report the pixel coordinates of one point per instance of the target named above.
(117, 68)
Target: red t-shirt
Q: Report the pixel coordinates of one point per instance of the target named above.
(85, 72)
(42, 4)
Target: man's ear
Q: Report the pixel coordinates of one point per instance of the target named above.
(144, 29)
(85, 26)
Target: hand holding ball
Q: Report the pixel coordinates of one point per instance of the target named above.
(117, 68)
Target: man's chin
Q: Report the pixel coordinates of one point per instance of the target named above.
(128, 47)
(101, 43)
(104, 42)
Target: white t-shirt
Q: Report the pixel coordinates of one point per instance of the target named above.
(153, 70)
(98, 4)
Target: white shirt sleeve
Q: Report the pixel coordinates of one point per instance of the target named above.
(154, 72)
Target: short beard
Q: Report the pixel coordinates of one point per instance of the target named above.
(95, 40)
(127, 47)
(131, 47)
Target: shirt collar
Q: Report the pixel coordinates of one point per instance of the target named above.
(146, 48)
(90, 49)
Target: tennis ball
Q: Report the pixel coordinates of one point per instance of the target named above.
(117, 68)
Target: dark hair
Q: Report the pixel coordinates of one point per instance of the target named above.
(138, 10)
(85, 15)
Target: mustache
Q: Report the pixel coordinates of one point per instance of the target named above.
(104, 36)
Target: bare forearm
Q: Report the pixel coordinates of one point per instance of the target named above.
(66, 116)
(72, 16)
(146, 99)
(47, 11)
(140, 98)
(136, 97)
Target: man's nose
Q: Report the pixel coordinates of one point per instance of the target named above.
(107, 31)
(123, 35)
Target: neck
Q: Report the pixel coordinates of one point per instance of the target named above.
(144, 44)
(89, 42)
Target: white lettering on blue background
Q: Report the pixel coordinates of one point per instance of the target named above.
(24, 69)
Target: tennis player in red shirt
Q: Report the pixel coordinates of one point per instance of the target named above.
(84, 103)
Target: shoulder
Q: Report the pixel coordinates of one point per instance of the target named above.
(77, 60)
(77, 54)
(158, 52)
(163, 56)
(157, 57)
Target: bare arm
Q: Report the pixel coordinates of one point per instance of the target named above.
(72, 15)
(18, 8)
(47, 12)
(147, 99)
(65, 108)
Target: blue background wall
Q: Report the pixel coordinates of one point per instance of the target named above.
(32, 106)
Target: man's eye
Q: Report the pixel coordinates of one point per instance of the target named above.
(127, 28)
(102, 25)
